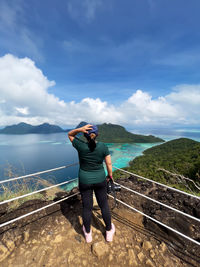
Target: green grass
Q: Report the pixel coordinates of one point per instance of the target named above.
(24, 186)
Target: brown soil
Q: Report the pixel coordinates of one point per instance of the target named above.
(54, 238)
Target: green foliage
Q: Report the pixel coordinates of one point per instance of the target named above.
(111, 133)
(180, 156)
(24, 186)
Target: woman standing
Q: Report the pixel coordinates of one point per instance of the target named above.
(92, 177)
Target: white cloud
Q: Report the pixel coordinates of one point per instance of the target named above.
(23, 111)
(144, 105)
(24, 96)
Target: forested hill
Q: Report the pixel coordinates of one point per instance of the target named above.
(24, 128)
(180, 156)
(112, 133)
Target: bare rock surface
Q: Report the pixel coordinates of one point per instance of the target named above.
(54, 238)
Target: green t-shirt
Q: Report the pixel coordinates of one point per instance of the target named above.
(91, 169)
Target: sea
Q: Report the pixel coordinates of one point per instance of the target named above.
(31, 153)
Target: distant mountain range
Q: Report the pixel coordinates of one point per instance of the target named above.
(108, 133)
(24, 128)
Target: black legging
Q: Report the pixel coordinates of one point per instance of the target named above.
(86, 191)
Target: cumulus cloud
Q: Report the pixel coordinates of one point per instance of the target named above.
(147, 109)
(25, 96)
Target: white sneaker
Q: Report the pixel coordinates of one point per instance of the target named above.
(88, 236)
(110, 234)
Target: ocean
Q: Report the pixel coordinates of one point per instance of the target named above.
(24, 154)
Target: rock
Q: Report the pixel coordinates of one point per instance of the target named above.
(26, 236)
(100, 249)
(10, 244)
(149, 263)
(70, 257)
(137, 247)
(4, 252)
(58, 239)
(138, 239)
(121, 240)
(152, 254)
(110, 258)
(141, 256)
(18, 240)
(131, 256)
(133, 263)
(84, 263)
(163, 247)
(121, 254)
(147, 245)
(131, 253)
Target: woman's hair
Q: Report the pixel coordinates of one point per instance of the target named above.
(91, 141)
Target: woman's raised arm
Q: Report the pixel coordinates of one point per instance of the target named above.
(74, 132)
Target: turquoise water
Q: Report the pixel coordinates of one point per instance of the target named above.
(122, 154)
(36, 152)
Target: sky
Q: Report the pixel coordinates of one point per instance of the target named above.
(134, 62)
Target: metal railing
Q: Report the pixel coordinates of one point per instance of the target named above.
(135, 192)
(37, 191)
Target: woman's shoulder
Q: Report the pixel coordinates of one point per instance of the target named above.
(77, 142)
(101, 144)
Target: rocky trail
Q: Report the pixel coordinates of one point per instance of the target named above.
(54, 238)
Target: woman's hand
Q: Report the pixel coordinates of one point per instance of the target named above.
(86, 128)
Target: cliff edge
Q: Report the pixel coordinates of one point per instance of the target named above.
(54, 237)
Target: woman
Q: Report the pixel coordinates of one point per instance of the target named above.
(92, 177)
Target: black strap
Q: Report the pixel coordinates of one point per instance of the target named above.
(113, 192)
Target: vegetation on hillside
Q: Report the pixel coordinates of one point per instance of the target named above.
(112, 133)
(180, 156)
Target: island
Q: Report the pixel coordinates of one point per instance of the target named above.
(108, 133)
(24, 128)
(170, 163)
(113, 133)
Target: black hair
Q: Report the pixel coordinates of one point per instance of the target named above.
(91, 143)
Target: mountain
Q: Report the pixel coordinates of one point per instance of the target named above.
(180, 156)
(46, 128)
(81, 124)
(24, 128)
(112, 133)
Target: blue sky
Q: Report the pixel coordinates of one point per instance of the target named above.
(101, 57)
